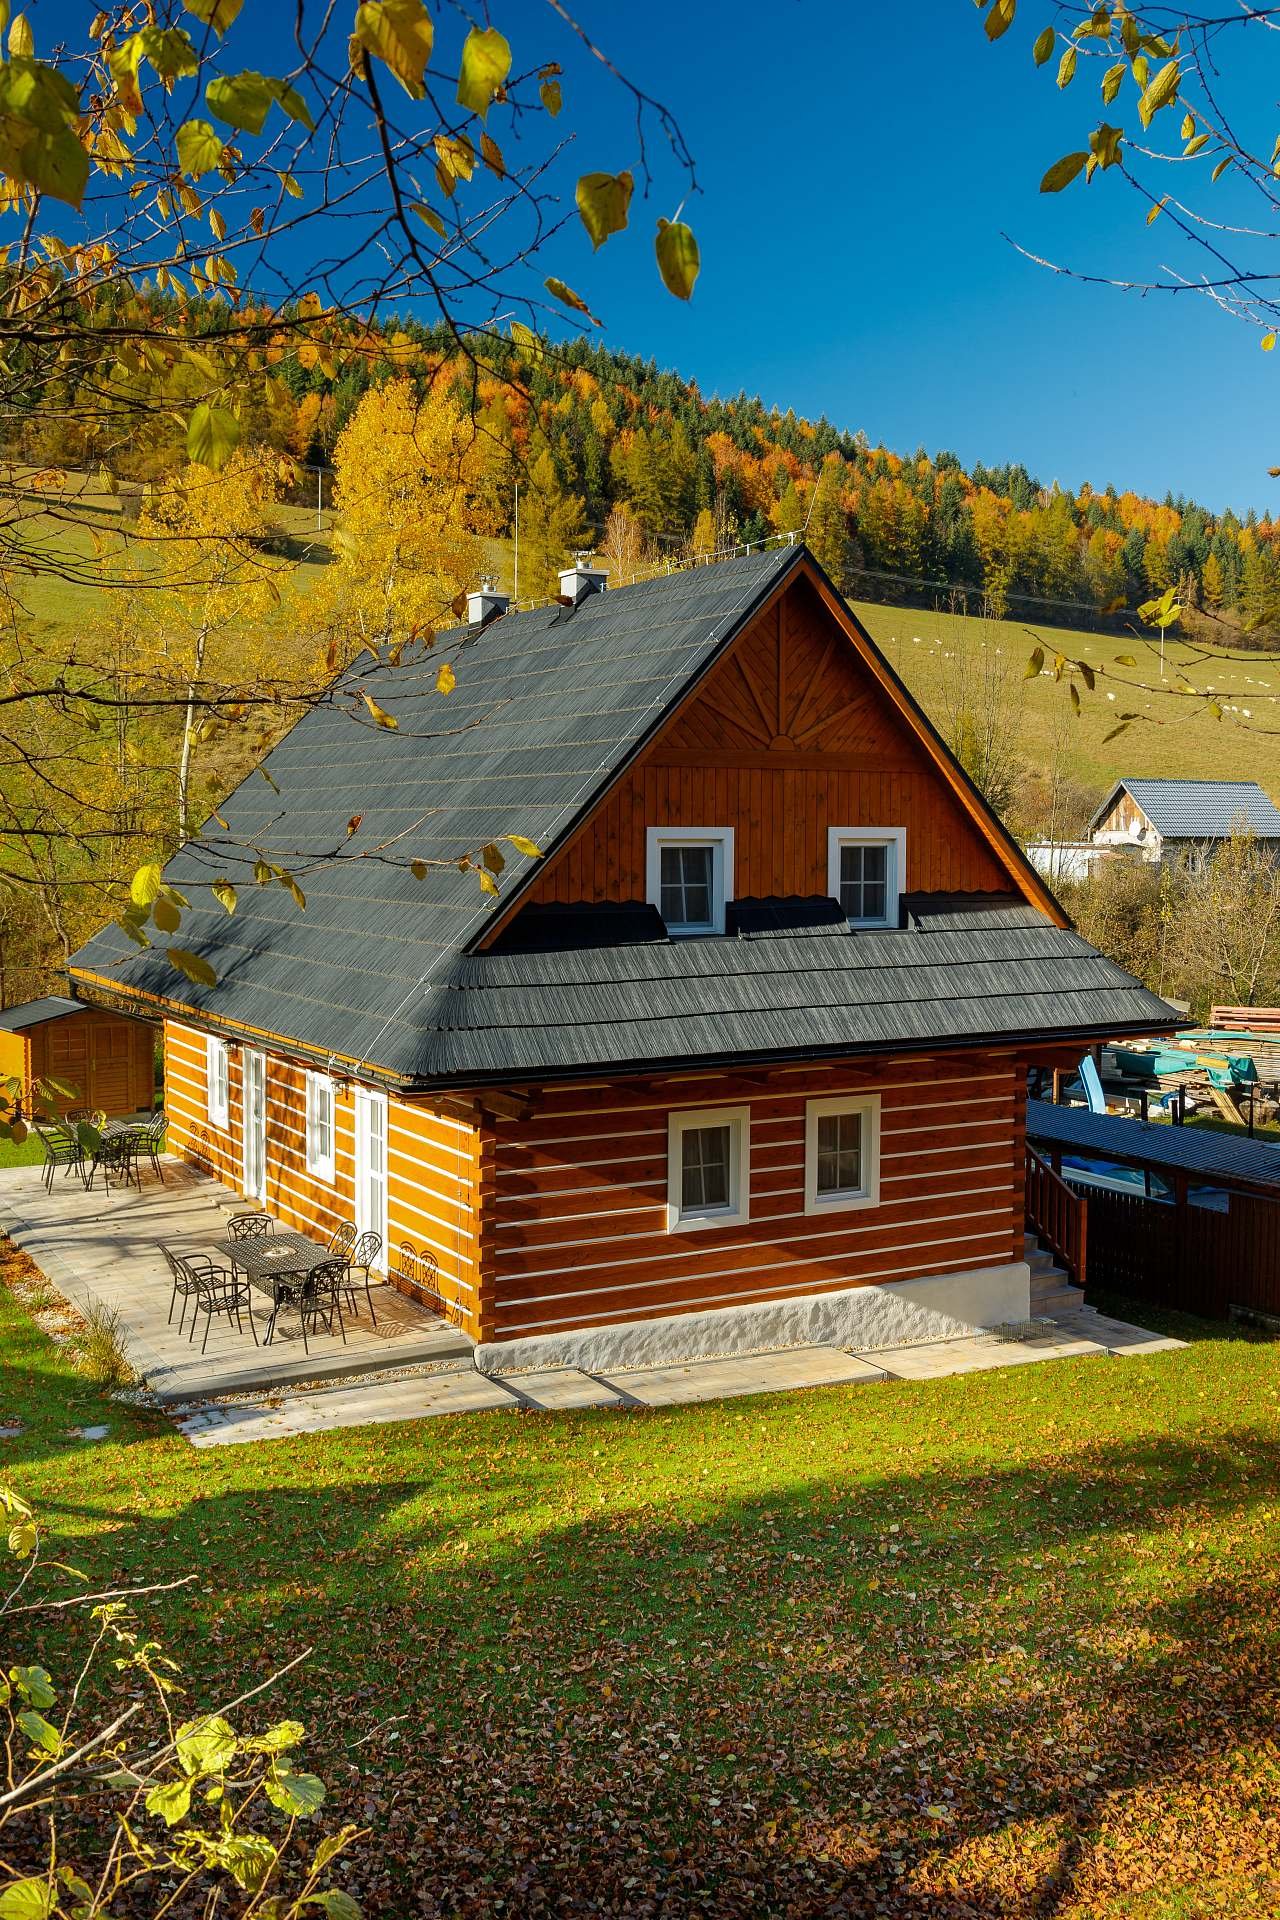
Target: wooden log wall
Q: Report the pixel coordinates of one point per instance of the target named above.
(432, 1164)
(574, 1197)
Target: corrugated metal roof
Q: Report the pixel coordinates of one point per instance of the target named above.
(1201, 1151)
(33, 1012)
(1198, 809)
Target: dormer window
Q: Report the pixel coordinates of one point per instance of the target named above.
(865, 868)
(689, 874)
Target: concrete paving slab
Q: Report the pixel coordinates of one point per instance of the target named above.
(1117, 1336)
(979, 1353)
(561, 1388)
(421, 1397)
(742, 1373)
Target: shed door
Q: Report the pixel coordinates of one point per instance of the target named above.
(371, 1164)
(254, 1107)
(110, 1059)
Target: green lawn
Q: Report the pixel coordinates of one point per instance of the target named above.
(28, 1153)
(998, 1645)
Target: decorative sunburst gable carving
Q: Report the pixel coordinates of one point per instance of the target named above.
(792, 685)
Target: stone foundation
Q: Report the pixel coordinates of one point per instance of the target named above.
(905, 1313)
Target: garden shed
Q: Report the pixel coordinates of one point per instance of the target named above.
(106, 1059)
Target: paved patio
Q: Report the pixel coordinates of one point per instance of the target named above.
(106, 1247)
(414, 1366)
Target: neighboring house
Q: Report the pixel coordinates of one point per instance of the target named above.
(740, 1060)
(101, 1061)
(1161, 820)
(1168, 817)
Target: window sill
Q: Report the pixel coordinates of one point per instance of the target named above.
(702, 1222)
(839, 1202)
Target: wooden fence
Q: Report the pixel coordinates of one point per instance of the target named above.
(1195, 1258)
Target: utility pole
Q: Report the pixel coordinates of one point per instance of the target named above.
(515, 579)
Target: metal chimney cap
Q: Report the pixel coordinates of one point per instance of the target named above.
(485, 603)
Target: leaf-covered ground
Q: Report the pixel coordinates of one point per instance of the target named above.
(1004, 1644)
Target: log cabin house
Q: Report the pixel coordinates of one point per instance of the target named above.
(740, 1060)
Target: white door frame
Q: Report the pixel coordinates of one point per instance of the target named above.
(253, 1123)
(368, 1103)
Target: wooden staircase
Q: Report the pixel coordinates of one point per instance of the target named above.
(1052, 1289)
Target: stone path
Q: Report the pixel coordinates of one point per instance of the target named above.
(455, 1387)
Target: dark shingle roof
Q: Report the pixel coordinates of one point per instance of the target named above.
(1195, 1150)
(549, 705)
(33, 1012)
(1198, 809)
(986, 974)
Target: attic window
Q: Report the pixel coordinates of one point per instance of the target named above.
(688, 875)
(865, 868)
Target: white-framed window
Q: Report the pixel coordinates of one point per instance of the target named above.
(689, 876)
(865, 870)
(708, 1167)
(842, 1153)
(218, 1069)
(320, 1126)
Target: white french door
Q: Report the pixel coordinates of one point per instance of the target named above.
(254, 1113)
(371, 1164)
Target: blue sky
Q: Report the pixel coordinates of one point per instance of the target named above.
(859, 165)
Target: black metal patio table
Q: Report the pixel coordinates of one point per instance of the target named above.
(276, 1265)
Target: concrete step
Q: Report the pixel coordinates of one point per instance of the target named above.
(1066, 1299)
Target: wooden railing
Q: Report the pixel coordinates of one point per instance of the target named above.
(1057, 1215)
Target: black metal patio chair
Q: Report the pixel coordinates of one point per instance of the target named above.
(341, 1240)
(322, 1298)
(314, 1296)
(250, 1226)
(149, 1143)
(113, 1158)
(362, 1256)
(217, 1290)
(62, 1148)
(185, 1283)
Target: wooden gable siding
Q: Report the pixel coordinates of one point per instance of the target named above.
(432, 1163)
(574, 1197)
(1126, 817)
(788, 736)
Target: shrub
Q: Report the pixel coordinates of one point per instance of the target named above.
(140, 1807)
(103, 1355)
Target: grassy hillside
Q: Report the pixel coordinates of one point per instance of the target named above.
(1175, 737)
